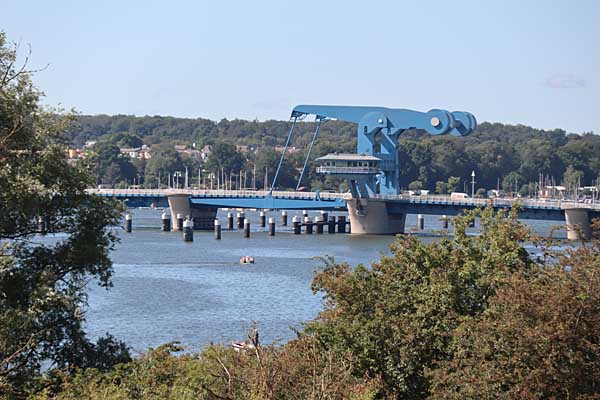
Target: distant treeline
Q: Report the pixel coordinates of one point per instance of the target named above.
(514, 156)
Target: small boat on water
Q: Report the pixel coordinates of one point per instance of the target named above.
(247, 260)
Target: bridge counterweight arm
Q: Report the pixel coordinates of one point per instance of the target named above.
(435, 122)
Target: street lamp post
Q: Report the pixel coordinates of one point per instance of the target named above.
(473, 184)
(176, 175)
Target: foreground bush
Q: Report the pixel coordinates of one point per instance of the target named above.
(296, 370)
(471, 317)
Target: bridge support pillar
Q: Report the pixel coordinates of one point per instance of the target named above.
(578, 222)
(179, 203)
(203, 217)
(371, 216)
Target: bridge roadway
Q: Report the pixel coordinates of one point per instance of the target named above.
(381, 214)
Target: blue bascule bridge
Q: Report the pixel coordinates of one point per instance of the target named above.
(375, 204)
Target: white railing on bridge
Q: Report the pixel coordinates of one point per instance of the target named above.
(507, 202)
(214, 193)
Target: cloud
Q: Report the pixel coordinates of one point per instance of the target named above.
(564, 81)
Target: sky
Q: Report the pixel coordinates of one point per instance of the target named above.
(519, 62)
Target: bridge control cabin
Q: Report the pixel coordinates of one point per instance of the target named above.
(348, 164)
(359, 169)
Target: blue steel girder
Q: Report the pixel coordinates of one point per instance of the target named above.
(390, 123)
(451, 209)
(269, 202)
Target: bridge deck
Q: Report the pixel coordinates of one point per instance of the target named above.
(299, 200)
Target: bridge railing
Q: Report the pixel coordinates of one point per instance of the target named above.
(213, 193)
(128, 192)
(263, 193)
(502, 202)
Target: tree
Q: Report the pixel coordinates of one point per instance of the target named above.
(528, 190)
(453, 184)
(126, 139)
(109, 165)
(397, 318)
(537, 339)
(441, 187)
(572, 179)
(112, 174)
(539, 156)
(42, 284)
(224, 158)
(165, 161)
(266, 162)
(415, 185)
(511, 182)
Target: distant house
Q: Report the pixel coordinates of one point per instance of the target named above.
(184, 151)
(195, 154)
(290, 150)
(75, 154)
(205, 152)
(140, 153)
(130, 151)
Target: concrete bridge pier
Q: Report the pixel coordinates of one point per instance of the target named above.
(203, 218)
(179, 203)
(371, 216)
(578, 222)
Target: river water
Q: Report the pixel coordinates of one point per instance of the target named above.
(198, 293)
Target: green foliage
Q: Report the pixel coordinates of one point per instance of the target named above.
(539, 156)
(398, 317)
(225, 157)
(265, 163)
(165, 160)
(297, 370)
(415, 185)
(470, 317)
(441, 187)
(512, 181)
(452, 185)
(42, 282)
(109, 165)
(538, 338)
(572, 177)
